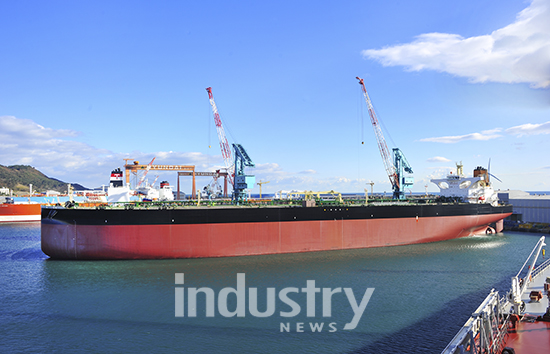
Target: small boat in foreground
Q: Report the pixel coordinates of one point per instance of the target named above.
(516, 323)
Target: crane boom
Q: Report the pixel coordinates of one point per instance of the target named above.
(145, 173)
(224, 145)
(382, 146)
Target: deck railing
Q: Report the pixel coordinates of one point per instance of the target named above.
(541, 268)
(485, 330)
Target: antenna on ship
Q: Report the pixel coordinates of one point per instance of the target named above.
(459, 169)
(371, 187)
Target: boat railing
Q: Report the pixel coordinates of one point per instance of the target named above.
(541, 268)
(519, 285)
(484, 331)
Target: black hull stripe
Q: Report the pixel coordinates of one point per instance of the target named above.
(213, 215)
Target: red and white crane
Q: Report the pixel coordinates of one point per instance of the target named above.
(224, 145)
(145, 173)
(400, 165)
(382, 146)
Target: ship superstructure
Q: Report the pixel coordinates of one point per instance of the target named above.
(118, 191)
(476, 189)
(165, 191)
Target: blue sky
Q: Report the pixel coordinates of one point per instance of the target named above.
(85, 84)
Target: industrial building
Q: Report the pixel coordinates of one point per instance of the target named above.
(528, 208)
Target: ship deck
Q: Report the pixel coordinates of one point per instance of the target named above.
(496, 328)
(532, 337)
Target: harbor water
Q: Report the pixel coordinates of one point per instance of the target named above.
(420, 295)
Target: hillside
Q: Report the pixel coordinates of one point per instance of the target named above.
(18, 178)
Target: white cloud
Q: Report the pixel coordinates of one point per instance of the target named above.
(273, 168)
(517, 53)
(529, 129)
(438, 159)
(485, 135)
(15, 128)
(519, 131)
(24, 142)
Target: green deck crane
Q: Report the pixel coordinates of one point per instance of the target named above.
(242, 181)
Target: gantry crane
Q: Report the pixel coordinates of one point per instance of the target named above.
(394, 169)
(224, 145)
(260, 184)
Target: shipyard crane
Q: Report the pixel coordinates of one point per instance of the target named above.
(395, 168)
(145, 173)
(224, 145)
(260, 184)
(155, 181)
(242, 181)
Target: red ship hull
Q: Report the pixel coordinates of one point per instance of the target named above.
(73, 240)
(19, 212)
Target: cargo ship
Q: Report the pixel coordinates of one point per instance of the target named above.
(125, 230)
(176, 229)
(18, 212)
(517, 322)
(218, 231)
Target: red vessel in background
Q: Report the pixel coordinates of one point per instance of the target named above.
(18, 212)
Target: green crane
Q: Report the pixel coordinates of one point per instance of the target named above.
(242, 181)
